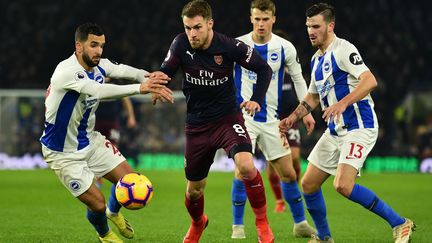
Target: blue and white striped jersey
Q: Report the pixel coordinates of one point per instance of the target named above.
(73, 97)
(280, 54)
(334, 75)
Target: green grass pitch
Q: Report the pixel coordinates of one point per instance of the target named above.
(34, 207)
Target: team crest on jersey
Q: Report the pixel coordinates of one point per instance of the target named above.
(79, 75)
(274, 57)
(74, 185)
(100, 79)
(326, 66)
(218, 59)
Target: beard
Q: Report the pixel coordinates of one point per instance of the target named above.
(199, 44)
(88, 61)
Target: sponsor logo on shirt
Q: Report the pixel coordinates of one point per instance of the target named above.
(205, 78)
(355, 59)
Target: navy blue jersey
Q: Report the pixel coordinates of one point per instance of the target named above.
(289, 100)
(208, 82)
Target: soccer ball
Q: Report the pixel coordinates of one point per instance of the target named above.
(134, 191)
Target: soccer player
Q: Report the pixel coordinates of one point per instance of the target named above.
(214, 119)
(108, 120)
(70, 146)
(280, 54)
(341, 83)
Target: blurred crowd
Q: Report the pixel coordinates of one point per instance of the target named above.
(390, 35)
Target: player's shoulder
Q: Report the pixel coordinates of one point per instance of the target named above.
(340, 44)
(246, 38)
(279, 40)
(180, 42)
(68, 69)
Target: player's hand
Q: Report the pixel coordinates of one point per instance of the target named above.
(251, 107)
(157, 86)
(158, 97)
(287, 123)
(334, 112)
(158, 75)
(309, 123)
(131, 122)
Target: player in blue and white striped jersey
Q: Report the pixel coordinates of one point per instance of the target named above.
(342, 83)
(70, 146)
(281, 56)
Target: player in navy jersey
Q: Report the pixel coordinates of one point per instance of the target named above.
(70, 145)
(214, 119)
(341, 83)
(281, 56)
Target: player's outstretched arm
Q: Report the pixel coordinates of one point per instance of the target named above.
(157, 87)
(309, 103)
(366, 85)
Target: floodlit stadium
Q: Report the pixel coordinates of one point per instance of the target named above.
(36, 37)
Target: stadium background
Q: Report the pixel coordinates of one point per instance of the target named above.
(391, 36)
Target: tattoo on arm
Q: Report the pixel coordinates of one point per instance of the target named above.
(302, 110)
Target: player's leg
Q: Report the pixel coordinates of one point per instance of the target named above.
(95, 202)
(199, 155)
(255, 192)
(296, 159)
(107, 161)
(194, 202)
(311, 184)
(292, 195)
(353, 154)
(276, 188)
(239, 197)
(323, 161)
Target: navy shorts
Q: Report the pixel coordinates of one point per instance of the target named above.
(203, 140)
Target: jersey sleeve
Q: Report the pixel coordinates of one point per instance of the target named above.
(172, 60)
(249, 58)
(122, 71)
(349, 60)
(77, 80)
(292, 63)
(312, 86)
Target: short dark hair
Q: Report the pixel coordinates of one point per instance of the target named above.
(324, 9)
(264, 5)
(82, 32)
(197, 8)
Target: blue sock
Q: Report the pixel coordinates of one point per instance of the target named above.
(238, 201)
(369, 200)
(113, 204)
(292, 195)
(99, 222)
(317, 209)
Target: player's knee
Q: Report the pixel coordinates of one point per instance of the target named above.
(97, 206)
(289, 176)
(195, 193)
(309, 187)
(343, 188)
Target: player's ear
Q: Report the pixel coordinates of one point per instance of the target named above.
(274, 19)
(210, 24)
(78, 47)
(331, 26)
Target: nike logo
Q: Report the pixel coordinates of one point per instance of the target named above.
(257, 185)
(190, 54)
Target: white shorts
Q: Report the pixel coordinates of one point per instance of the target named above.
(351, 149)
(267, 136)
(77, 170)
